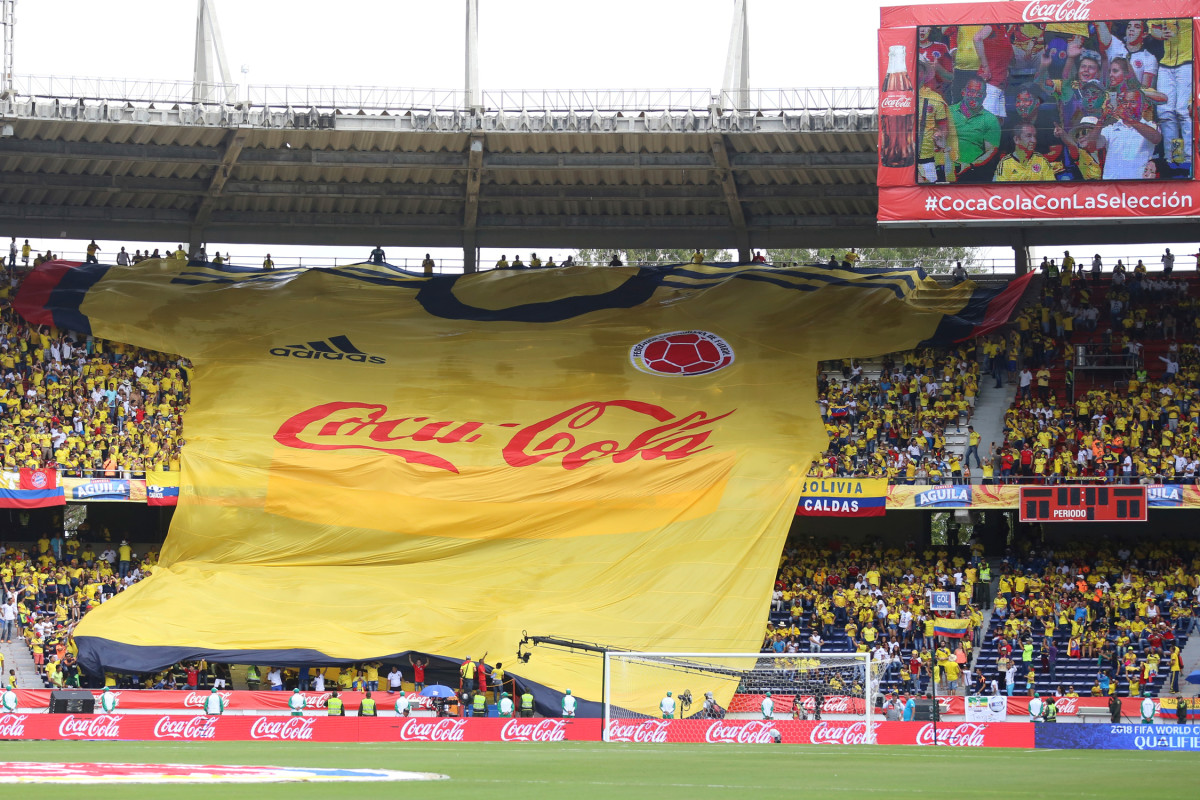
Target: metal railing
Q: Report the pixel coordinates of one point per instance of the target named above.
(379, 99)
(979, 266)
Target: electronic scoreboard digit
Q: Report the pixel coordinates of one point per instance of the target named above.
(1083, 504)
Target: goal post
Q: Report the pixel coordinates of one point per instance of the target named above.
(740, 697)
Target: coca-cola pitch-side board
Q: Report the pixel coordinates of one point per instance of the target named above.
(1037, 111)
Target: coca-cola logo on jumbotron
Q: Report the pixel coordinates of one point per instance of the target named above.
(1063, 11)
(371, 426)
(543, 730)
(196, 699)
(841, 733)
(12, 726)
(101, 726)
(424, 730)
(967, 734)
(752, 732)
(288, 729)
(197, 727)
(650, 731)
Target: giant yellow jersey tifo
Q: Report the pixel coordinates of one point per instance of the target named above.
(379, 462)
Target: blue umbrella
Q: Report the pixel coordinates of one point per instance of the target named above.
(437, 690)
(1194, 677)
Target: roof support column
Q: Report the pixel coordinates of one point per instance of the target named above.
(471, 208)
(235, 140)
(1020, 254)
(737, 217)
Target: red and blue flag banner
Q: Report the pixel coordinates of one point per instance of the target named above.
(842, 497)
(162, 488)
(951, 628)
(20, 489)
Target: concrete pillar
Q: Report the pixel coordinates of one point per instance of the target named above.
(1021, 258)
(469, 260)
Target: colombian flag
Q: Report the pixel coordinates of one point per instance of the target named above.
(951, 628)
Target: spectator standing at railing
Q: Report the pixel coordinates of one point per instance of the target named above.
(1168, 262)
(377, 255)
(92, 249)
(268, 264)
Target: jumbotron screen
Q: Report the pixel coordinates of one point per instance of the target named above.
(1002, 111)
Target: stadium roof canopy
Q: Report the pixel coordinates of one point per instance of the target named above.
(785, 168)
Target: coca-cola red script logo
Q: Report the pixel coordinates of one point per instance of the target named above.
(198, 727)
(544, 730)
(12, 726)
(1064, 11)
(287, 729)
(968, 734)
(651, 731)
(752, 732)
(426, 730)
(681, 353)
(101, 726)
(196, 699)
(896, 102)
(368, 426)
(841, 733)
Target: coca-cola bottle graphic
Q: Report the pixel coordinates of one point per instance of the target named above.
(896, 112)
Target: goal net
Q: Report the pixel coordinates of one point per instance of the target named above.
(818, 698)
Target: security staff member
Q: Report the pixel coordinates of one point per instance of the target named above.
(214, 704)
(335, 706)
(367, 707)
(479, 705)
(108, 701)
(1114, 708)
(296, 703)
(506, 705)
(526, 704)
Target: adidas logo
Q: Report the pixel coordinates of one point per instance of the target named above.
(335, 348)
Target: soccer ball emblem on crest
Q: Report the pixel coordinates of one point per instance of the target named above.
(681, 353)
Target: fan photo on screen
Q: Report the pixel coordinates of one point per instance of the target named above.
(1054, 101)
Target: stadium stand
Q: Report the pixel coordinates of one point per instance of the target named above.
(1113, 616)
(87, 406)
(875, 599)
(904, 421)
(1097, 620)
(1107, 382)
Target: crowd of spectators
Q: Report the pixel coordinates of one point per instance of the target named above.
(1113, 612)
(50, 587)
(1141, 426)
(895, 426)
(878, 599)
(84, 405)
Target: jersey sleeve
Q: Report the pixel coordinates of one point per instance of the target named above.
(867, 312)
(153, 304)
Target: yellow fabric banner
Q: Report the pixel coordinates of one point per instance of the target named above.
(379, 462)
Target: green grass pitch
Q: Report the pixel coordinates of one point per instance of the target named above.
(577, 771)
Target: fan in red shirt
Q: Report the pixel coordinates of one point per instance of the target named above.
(1026, 460)
(938, 55)
(995, 48)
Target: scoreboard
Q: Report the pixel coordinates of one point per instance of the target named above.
(1083, 504)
